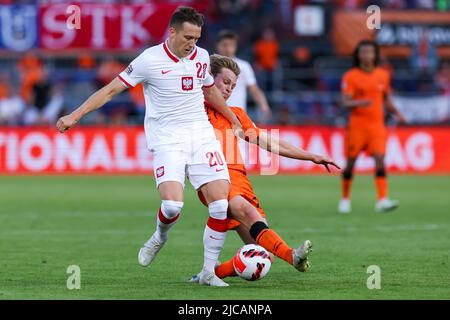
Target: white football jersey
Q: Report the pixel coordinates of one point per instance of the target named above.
(246, 78)
(174, 100)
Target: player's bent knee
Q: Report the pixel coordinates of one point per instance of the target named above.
(218, 209)
(171, 190)
(215, 190)
(171, 208)
(243, 211)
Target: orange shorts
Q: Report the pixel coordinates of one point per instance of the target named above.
(371, 140)
(240, 186)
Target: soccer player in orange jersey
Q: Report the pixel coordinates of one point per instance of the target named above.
(245, 214)
(366, 90)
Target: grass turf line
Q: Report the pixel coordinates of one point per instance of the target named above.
(99, 223)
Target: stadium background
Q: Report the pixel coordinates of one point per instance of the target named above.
(57, 218)
(48, 70)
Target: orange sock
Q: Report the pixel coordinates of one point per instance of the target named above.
(270, 240)
(346, 186)
(381, 184)
(225, 269)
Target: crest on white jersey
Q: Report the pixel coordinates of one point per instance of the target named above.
(187, 83)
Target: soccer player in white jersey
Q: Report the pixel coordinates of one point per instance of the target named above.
(227, 46)
(176, 82)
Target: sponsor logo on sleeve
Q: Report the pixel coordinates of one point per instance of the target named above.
(160, 172)
(129, 69)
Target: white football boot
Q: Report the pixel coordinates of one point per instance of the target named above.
(196, 278)
(300, 256)
(209, 278)
(345, 206)
(386, 204)
(149, 251)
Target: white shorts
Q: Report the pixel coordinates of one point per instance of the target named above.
(201, 166)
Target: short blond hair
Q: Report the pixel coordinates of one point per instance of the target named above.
(219, 62)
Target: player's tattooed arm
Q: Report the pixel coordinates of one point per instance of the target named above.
(285, 149)
(392, 109)
(347, 101)
(95, 101)
(217, 102)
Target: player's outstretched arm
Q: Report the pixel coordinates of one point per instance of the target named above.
(95, 101)
(392, 109)
(285, 149)
(214, 97)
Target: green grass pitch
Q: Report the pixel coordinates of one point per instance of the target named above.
(100, 222)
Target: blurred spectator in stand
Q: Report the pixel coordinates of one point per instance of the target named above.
(391, 4)
(54, 107)
(117, 110)
(31, 71)
(227, 46)
(288, 110)
(82, 82)
(443, 78)
(285, 116)
(108, 69)
(425, 4)
(266, 52)
(11, 105)
(443, 5)
(233, 13)
(386, 64)
(351, 4)
(85, 68)
(46, 103)
(302, 56)
(424, 61)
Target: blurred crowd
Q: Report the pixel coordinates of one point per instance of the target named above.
(237, 6)
(396, 4)
(36, 101)
(38, 89)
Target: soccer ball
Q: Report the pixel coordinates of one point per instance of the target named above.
(252, 262)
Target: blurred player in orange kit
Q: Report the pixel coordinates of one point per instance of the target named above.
(245, 214)
(366, 90)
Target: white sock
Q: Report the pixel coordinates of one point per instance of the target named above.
(168, 214)
(215, 233)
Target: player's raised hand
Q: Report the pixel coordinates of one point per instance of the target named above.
(325, 161)
(66, 122)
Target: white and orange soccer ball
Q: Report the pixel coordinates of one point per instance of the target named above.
(252, 262)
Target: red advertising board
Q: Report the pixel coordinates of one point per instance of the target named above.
(106, 26)
(124, 150)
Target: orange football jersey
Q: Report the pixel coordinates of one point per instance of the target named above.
(228, 140)
(367, 85)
